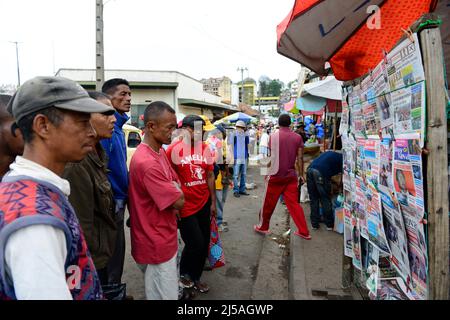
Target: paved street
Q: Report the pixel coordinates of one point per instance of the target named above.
(256, 265)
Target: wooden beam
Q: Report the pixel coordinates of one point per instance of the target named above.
(437, 165)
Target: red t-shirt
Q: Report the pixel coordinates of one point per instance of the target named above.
(151, 196)
(285, 145)
(192, 168)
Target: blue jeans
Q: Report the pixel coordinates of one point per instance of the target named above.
(219, 206)
(239, 170)
(319, 189)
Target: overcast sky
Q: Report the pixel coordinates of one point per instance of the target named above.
(202, 38)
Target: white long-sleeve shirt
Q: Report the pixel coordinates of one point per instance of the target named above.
(35, 256)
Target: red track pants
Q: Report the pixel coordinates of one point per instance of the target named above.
(288, 187)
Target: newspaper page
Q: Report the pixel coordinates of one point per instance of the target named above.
(348, 240)
(372, 270)
(404, 64)
(392, 289)
(359, 206)
(385, 178)
(408, 185)
(406, 81)
(344, 126)
(375, 228)
(356, 244)
(396, 235)
(371, 118)
(409, 109)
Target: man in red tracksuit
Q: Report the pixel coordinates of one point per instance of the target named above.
(286, 166)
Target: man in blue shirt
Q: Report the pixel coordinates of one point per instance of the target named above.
(318, 179)
(240, 141)
(116, 149)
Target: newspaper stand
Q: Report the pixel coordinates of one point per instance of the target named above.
(434, 171)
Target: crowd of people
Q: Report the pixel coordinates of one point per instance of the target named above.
(66, 187)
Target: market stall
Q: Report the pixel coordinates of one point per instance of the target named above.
(396, 224)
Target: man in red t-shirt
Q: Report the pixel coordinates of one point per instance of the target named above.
(286, 167)
(193, 161)
(155, 198)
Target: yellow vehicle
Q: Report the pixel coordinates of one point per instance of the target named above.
(133, 138)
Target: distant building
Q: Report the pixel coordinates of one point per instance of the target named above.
(218, 86)
(264, 101)
(183, 93)
(250, 91)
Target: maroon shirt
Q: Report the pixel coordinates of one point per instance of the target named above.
(285, 143)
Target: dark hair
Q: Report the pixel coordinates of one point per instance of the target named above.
(97, 95)
(111, 85)
(4, 114)
(54, 115)
(284, 120)
(155, 109)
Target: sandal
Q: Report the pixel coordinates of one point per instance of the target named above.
(201, 286)
(186, 282)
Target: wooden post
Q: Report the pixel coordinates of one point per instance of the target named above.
(437, 165)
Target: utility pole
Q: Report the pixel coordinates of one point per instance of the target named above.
(17, 61)
(241, 69)
(99, 53)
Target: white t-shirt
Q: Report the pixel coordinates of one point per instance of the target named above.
(264, 142)
(35, 256)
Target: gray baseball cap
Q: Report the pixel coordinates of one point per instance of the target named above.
(43, 92)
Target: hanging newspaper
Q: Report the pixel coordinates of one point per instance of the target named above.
(404, 64)
(372, 270)
(392, 289)
(396, 236)
(359, 206)
(375, 227)
(385, 179)
(356, 244)
(349, 161)
(408, 185)
(344, 126)
(348, 240)
(409, 109)
(408, 181)
(406, 81)
(371, 118)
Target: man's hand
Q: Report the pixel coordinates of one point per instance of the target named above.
(213, 210)
(301, 180)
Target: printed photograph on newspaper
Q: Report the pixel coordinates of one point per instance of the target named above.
(392, 289)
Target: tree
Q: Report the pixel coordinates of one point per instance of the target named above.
(274, 88)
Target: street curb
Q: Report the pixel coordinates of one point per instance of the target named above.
(297, 271)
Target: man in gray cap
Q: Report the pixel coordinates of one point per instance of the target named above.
(45, 254)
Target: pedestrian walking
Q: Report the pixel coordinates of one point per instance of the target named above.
(116, 150)
(217, 141)
(11, 141)
(286, 169)
(193, 162)
(155, 199)
(318, 179)
(45, 255)
(91, 194)
(240, 143)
